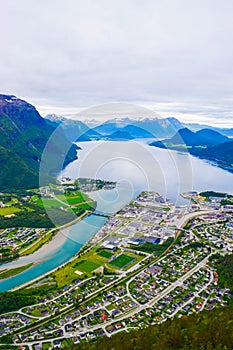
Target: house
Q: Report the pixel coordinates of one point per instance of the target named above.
(111, 329)
(103, 317)
(118, 325)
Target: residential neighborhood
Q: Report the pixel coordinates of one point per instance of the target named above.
(156, 261)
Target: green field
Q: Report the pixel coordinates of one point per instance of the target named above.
(105, 254)
(122, 260)
(47, 203)
(76, 199)
(87, 263)
(73, 197)
(84, 206)
(9, 211)
(88, 266)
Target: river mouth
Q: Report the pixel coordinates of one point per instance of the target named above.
(136, 167)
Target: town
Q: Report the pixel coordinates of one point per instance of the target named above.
(151, 261)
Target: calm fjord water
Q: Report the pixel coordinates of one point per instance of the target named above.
(135, 166)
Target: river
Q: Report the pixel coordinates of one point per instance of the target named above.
(135, 166)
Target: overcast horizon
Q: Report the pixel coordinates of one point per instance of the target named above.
(172, 57)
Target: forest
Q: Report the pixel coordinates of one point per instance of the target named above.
(208, 330)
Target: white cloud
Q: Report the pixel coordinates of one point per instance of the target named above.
(71, 54)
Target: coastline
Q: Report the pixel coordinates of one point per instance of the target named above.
(215, 162)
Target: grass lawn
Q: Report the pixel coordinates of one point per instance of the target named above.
(12, 272)
(122, 260)
(73, 202)
(47, 203)
(76, 199)
(88, 266)
(9, 211)
(110, 307)
(73, 197)
(45, 346)
(67, 343)
(68, 200)
(146, 286)
(83, 206)
(105, 254)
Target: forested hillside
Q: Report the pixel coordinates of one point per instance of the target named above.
(23, 137)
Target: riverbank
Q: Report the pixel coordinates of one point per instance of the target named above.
(74, 238)
(37, 279)
(57, 241)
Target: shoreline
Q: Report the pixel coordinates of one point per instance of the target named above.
(37, 279)
(57, 241)
(214, 162)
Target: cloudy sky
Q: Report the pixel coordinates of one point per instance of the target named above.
(173, 56)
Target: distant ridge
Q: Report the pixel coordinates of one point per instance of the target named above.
(120, 136)
(204, 137)
(205, 143)
(141, 128)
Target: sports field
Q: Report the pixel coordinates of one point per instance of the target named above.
(122, 260)
(105, 254)
(88, 266)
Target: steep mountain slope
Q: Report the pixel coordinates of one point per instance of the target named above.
(107, 128)
(24, 134)
(222, 154)
(14, 173)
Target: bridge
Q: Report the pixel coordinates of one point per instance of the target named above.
(99, 213)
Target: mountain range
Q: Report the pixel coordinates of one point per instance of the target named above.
(200, 140)
(144, 128)
(23, 137)
(76, 130)
(157, 128)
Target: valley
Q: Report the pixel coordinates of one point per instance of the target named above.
(101, 233)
